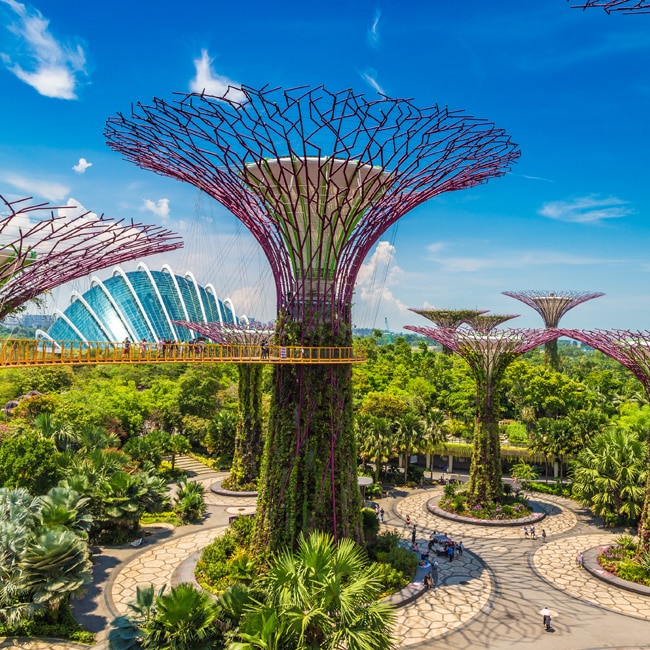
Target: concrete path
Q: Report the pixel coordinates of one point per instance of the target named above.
(488, 598)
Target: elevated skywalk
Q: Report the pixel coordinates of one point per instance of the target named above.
(17, 353)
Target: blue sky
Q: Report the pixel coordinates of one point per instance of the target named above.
(571, 87)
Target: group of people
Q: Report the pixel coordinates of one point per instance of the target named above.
(165, 347)
(533, 534)
(379, 512)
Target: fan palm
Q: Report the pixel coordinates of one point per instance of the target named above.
(183, 619)
(322, 596)
(609, 476)
(65, 507)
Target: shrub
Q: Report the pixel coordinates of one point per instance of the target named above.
(370, 524)
(628, 570)
(373, 491)
(414, 474)
(391, 579)
(627, 542)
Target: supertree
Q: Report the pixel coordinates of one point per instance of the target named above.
(449, 318)
(316, 177)
(41, 250)
(552, 306)
(632, 351)
(488, 354)
(247, 455)
(626, 6)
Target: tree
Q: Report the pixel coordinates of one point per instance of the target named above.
(374, 440)
(322, 596)
(30, 461)
(609, 476)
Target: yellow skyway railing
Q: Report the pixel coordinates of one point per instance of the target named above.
(22, 352)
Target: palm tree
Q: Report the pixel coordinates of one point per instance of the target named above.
(322, 596)
(433, 433)
(409, 432)
(183, 619)
(609, 476)
(373, 440)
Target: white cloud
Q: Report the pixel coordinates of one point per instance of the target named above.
(38, 59)
(370, 77)
(73, 209)
(586, 209)
(160, 207)
(36, 187)
(208, 81)
(510, 260)
(373, 32)
(376, 277)
(82, 166)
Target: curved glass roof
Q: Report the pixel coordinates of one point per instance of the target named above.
(140, 304)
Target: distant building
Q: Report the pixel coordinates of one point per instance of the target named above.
(139, 304)
(35, 321)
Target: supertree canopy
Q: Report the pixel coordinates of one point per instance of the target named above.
(449, 318)
(485, 323)
(631, 350)
(488, 354)
(626, 6)
(42, 251)
(552, 306)
(245, 467)
(316, 177)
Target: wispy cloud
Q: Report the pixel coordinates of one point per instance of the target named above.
(82, 166)
(373, 31)
(38, 59)
(208, 81)
(510, 260)
(538, 178)
(37, 187)
(376, 277)
(586, 209)
(160, 207)
(370, 77)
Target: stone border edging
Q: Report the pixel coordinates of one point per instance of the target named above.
(536, 516)
(590, 563)
(217, 489)
(47, 639)
(184, 572)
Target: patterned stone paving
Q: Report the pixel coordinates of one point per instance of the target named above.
(556, 563)
(155, 566)
(558, 519)
(465, 589)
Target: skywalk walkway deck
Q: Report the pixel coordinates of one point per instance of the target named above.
(23, 352)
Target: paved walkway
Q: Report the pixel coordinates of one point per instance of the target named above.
(489, 598)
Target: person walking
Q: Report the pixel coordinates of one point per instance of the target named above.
(413, 534)
(435, 566)
(428, 581)
(461, 548)
(525, 531)
(381, 515)
(546, 618)
(532, 532)
(543, 536)
(450, 552)
(408, 520)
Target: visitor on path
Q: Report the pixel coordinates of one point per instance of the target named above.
(543, 536)
(450, 552)
(532, 532)
(413, 534)
(381, 515)
(428, 581)
(525, 531)
(408, 520)
(264, 350)
(461, 548)
(435, 566)
(126, 347)
(580, 559)
(546, 618)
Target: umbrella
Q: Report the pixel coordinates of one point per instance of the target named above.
(548, 612)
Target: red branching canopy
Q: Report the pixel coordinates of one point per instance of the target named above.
(316, 176)
(485, 352)
(38, 253)
(552, 305)
(626, 6)
(228, 334)
(630, 349)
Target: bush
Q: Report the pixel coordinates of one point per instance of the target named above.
(516, 433)
(544, 488)
(374, 491)
(627, 542)
(391, 579)
(370, 524)
(414, 474)
(628, 570)
(166, 517)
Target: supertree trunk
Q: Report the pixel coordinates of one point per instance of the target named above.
(552, 356)
(644, 522)
(485, 483)
(309, 477)
(248, 443)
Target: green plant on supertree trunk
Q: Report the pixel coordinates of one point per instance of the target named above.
(248, 441)
(309, 472)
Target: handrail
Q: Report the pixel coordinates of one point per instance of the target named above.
(31, 352)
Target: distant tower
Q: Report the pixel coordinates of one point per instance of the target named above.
(39, 252)
(552, 306)
(625, 6)
(631, 350)
(488, 352)
(317, 177)
(450, 318)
